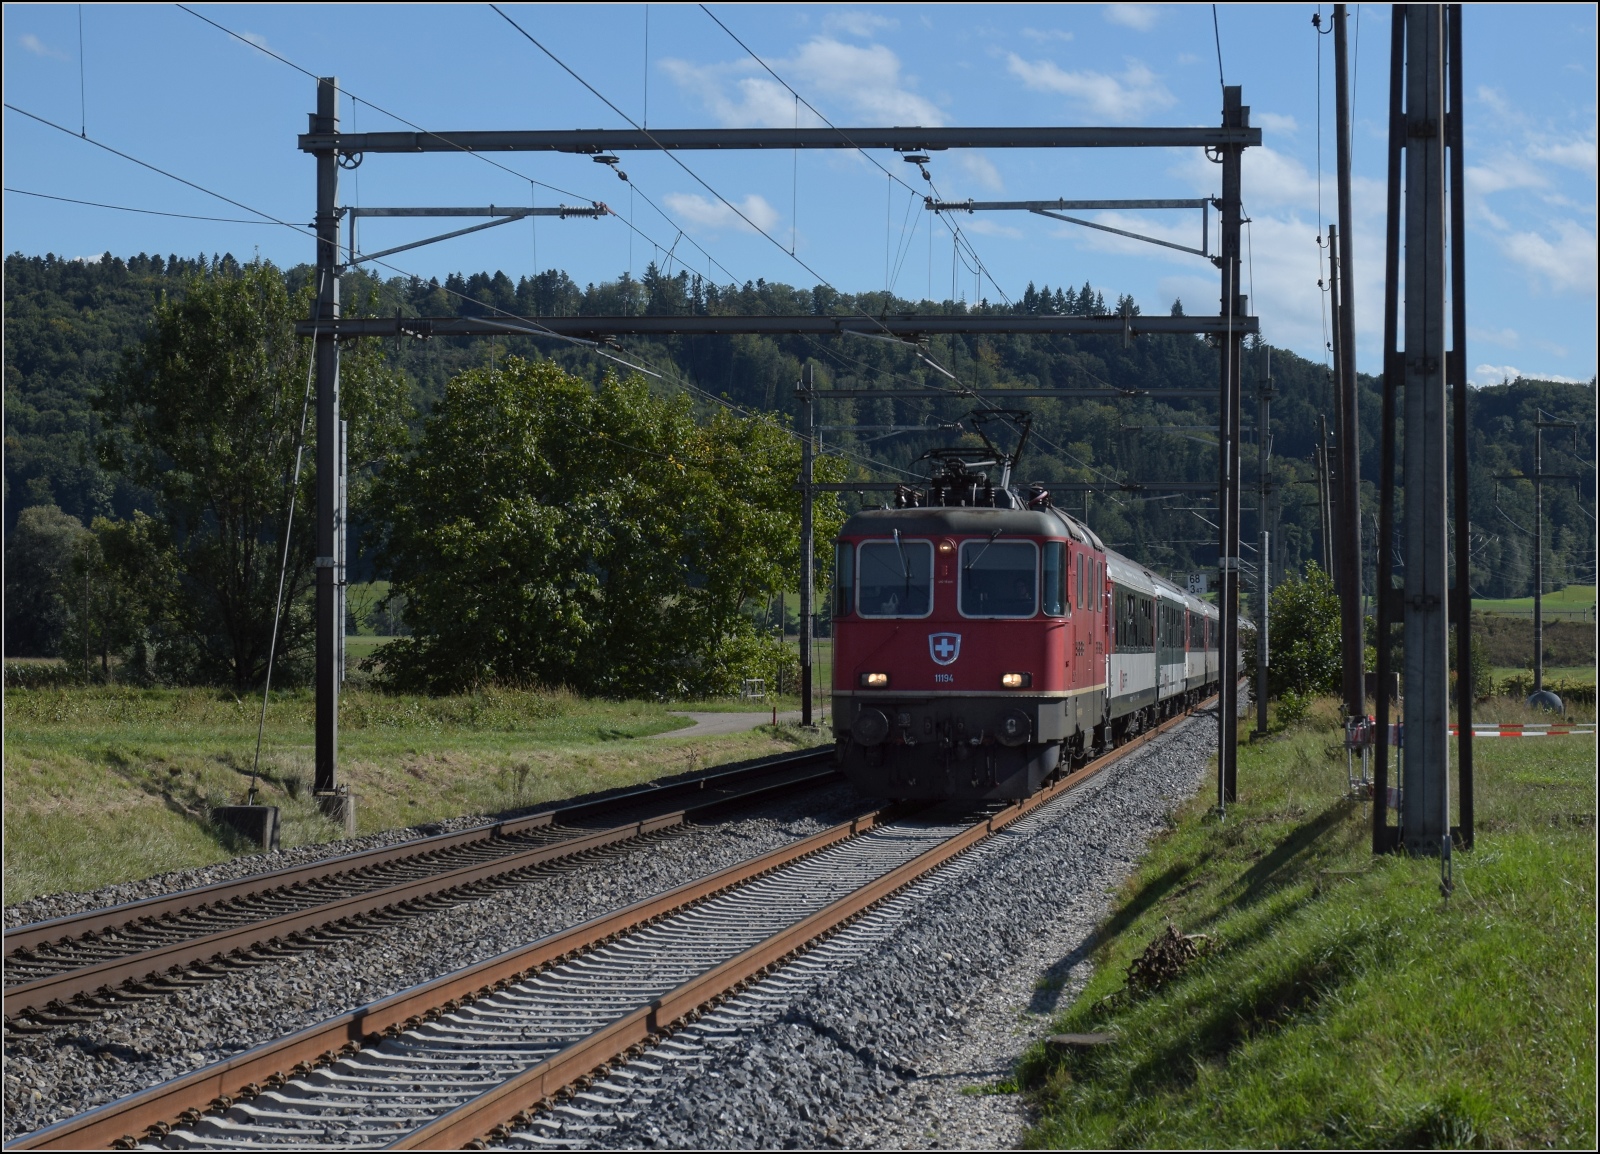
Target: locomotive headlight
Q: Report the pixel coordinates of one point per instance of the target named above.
(1016, 680)
(874, 681)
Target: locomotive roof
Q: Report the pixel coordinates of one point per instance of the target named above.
(936, 520)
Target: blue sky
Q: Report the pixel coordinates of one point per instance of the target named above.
(163, 86)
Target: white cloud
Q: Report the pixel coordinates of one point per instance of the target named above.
(1497, 102)
(1501, 173)
(1280, 197)
(1494, 374)
(1487, 374)
(981, 169)
(755, 102)
(692, 208)
(862, 24)
(1045, 35)
(985, 227)
(255, 38)
(1140, 17)
(1568, 263)
(1577, 154)
(866, 81)
(1135, 93)
(36, 46)
(1274, 122)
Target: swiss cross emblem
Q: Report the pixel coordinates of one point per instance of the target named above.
(944, 648)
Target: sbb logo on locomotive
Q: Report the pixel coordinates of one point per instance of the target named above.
(944, 648)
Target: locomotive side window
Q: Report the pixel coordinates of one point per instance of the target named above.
(999, 578)
(844, 579)
(896, 578)
(1056, 593)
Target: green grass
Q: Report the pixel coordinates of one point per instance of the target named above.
(108, 784)
(1574, 602)
(360, 646)
(1345, 1003)
(1585, 673)
(362, 597)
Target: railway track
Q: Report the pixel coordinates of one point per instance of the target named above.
(63, 971)
(475, 1056)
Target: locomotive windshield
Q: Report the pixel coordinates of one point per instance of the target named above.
(896, 578)
(999, 578)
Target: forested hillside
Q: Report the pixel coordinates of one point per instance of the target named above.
(69, 324)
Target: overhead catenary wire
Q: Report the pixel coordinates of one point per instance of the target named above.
(375, 107)
(523, 326)
(956, 232)
(304, 230)
(1216, 29)
(672, 156)
(959, 238)
(460, 148)
(144, 211)
(536, 330)
(960, 241)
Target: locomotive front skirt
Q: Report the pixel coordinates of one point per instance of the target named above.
(979, 649)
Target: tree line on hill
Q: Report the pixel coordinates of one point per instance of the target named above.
(128, 451)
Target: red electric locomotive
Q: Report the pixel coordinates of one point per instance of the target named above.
(983, 639)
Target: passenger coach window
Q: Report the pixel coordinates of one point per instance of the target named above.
(896, 578)
(999, 578)
(844, 578)
(1056, 603)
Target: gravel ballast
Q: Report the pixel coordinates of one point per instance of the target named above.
(60, 905)
(869, 1041)
(67, 1070)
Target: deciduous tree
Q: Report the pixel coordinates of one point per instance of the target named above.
(1305, 635)
(546, 531)
(206, 415)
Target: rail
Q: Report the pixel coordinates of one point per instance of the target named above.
(99, 952)
(439, 1005)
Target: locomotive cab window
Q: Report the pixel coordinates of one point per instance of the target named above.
(999, 578)
(1057, 595)
(896, 578)
(844, 578)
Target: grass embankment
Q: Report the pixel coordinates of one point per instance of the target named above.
(1343, 1002)
(1507, 641)
(359, 647)
(109, 784)
(1571, 603)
